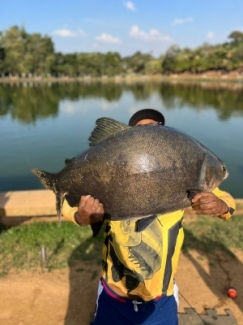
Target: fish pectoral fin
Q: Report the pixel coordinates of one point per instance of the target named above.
(68, 161)
(142, 224)
(96, 227)
(192, 193)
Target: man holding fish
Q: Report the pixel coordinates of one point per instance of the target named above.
(137, 283)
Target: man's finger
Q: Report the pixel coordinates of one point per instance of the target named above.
(85, 200)
(208, 212)
(95, 205)
(204, 205)
(203, 196)
(100, 208)
(197, 197)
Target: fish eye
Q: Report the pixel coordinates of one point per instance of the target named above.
(223, 168)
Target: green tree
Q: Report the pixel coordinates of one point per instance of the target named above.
(14, 42)
(153, 67)
(137, 62)
(169, 62)
(111, 64)
(39, 57)
(26, 53)
(236, 36)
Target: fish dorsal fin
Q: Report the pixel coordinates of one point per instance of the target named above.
(104, 128)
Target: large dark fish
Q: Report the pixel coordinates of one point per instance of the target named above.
(137, 172)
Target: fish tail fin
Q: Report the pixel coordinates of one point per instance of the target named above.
(49, 180)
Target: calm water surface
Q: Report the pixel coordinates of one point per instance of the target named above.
(42, 125)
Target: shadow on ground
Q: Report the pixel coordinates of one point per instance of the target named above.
(83, 280)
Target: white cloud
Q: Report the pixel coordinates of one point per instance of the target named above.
(130, 5)
(68, 33)
(64, 33)
(152, 35)
(180, 21)
(106, 38)
(210, 35)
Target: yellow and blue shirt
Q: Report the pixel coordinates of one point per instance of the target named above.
(144, 263)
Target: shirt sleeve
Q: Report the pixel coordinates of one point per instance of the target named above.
(68, 212)
(228, 199)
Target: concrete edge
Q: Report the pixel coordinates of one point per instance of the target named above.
(34, 203)
(27, 203)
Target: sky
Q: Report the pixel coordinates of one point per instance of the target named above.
(148, 26)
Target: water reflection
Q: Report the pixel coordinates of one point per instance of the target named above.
(29, 103)
(226, 101)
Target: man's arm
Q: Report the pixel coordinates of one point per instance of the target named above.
(89, 211)
(217, 203)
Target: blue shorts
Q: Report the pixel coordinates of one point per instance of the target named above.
(113, 309)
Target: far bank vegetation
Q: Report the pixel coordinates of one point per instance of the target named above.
(24, 55)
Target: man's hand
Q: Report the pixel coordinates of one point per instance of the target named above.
(90, 210)
(208, 204)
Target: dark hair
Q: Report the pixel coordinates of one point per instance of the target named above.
(147, 113)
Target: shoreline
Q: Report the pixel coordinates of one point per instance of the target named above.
(211, 77)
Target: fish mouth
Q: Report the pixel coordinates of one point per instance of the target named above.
(224, 170)
(226, 175)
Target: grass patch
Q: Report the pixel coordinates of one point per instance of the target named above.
(21, 247)
(210, 234)
(239, 206)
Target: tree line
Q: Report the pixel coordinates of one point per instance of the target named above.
(28, 55)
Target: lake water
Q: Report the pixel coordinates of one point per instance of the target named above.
(43, 124)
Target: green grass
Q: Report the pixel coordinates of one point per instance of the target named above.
(239, 206)
(20, 247)
(210, 234)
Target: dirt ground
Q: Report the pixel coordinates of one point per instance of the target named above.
(67, 297)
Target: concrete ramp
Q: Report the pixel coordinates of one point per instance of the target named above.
(190, 317)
